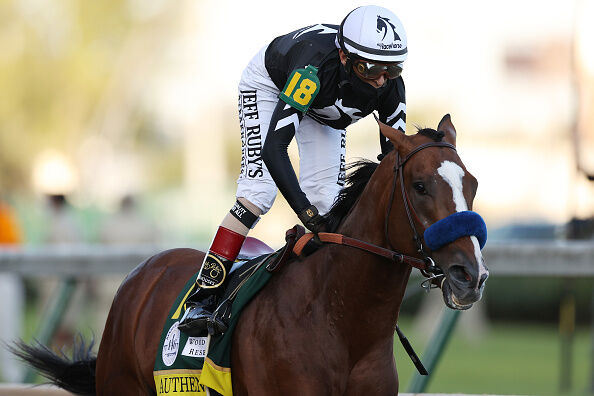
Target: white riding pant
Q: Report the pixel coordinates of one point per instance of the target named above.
(322, 149)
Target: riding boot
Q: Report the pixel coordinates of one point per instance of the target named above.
(210, 283)
(203, 303)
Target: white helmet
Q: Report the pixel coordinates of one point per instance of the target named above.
(373, 33)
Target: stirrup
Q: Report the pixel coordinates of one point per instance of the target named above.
(200, 308)
(194, 321)
(216, 326)
(206, 315)
(197, 320)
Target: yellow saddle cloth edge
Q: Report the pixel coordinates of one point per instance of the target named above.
(216, 377)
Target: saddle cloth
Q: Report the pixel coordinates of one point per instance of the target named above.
(189, 365)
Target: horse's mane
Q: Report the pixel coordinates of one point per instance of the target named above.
(357, 180)
(354, 185)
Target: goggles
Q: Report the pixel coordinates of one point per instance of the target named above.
(371, 70)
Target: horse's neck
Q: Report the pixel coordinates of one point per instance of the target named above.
(366, 220)
(373, 283)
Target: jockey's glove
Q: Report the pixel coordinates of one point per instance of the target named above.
(312, 220)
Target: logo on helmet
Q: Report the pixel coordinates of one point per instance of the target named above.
(384, 24)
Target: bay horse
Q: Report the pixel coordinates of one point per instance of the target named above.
(325, 323)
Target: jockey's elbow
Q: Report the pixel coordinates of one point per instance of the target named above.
(274, 155)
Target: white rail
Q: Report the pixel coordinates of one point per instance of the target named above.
(567, 258)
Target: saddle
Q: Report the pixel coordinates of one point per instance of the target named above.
(257, 254)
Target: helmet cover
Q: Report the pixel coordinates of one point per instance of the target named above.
(374, 33)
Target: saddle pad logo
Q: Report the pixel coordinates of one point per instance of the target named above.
(171, 345)
(195, 347)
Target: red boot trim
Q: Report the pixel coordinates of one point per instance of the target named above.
(227, 243)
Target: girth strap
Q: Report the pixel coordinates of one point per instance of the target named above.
(339, 239)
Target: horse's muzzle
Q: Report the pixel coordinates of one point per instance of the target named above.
(451, 300)
(460, 289)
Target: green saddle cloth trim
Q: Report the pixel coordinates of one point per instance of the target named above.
(180, 358)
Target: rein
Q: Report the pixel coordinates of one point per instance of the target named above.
(340, 239)
(426, 265)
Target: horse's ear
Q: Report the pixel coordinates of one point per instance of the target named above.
(446, 126)
(396, 137)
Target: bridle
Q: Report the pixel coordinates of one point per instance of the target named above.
(426, 264)
(431, 270)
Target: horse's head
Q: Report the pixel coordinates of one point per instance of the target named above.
(439, 192)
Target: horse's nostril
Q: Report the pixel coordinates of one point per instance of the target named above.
(482, 280)
(459, 274)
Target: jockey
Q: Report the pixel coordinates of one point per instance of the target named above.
(309, 84)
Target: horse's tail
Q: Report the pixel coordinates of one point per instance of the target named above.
(76, 375)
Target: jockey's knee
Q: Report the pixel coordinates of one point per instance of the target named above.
(259, 194)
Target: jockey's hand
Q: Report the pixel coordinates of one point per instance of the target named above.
(312, 220)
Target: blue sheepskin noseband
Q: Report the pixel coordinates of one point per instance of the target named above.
(456, 225)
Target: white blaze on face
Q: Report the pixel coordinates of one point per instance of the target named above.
(452, 173)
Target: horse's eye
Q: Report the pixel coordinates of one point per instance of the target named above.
(420, 188)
